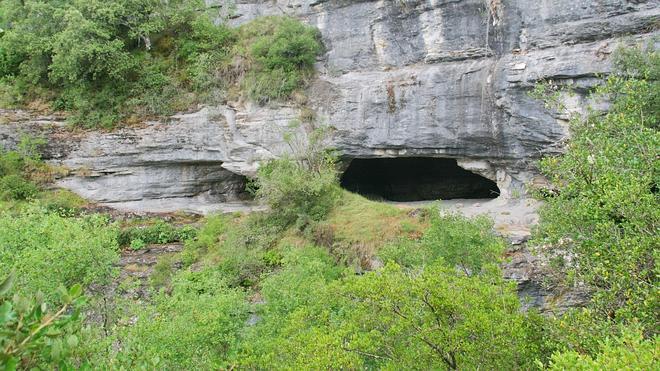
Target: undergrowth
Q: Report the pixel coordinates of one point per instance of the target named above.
(124, 61)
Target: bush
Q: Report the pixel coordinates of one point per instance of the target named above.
(305, 271)
(468, 244)
(194, 327)
(629, 351)
(302, 187)
(283, 52)
(13, 184)
(11, 163)
(159, 232)
(47, 250)
(240, 247)
(296, 194)
(15, 187)
(208, 236)
(33, 334)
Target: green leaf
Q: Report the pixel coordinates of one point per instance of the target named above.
(10, 364)
(63, 294)
(6, 313)
(6, 285)
(72, 341)
(75, 291)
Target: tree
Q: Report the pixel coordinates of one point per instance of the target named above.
(34, 335)
(434, 317)
(606, 216)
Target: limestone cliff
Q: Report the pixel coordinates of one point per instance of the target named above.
(435, 78)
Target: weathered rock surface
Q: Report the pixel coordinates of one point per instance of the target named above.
(440, 78)
(536, 290)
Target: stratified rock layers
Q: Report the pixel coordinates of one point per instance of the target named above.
(443, 78)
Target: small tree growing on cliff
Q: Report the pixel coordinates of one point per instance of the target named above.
(302, 185)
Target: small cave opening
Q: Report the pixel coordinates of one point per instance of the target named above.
(406, 179)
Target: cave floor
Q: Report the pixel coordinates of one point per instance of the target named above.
(513, 218)
(183, 204)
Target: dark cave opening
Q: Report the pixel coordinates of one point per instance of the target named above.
(408, 179)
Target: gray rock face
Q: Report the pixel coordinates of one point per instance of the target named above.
(178, 159)
(436, 78)
(529, 272)
(446, 78)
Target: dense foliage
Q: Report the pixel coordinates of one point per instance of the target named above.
(391, 318)
(194, 326)
(281, 52)
(47, 250)
(323, 279)
(412, 317)
(15, 169)
(464, 243)
(601, 226)
(606, 217)
(158, 232)
(301, 187)
(125, 60)
(630, 351)
(32, 334)
(298, 194)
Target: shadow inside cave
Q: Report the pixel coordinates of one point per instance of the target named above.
(406, 179)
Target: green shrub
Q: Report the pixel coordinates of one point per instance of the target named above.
(242, 253)
(208, 236)
(296, 194)
(21, 169)
(163, 270)
(194, 327)
(15, 187)
(11, 163)
(629, 351)
(47, 250)
(282, 51)
(238, 246)
(137, 244)
(159, 232)
(468, 244)
(305, 270)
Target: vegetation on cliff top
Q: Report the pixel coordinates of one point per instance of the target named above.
(111, 61)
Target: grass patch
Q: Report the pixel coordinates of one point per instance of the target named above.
(62, 201)
(363, 226)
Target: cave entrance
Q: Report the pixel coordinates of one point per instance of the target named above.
(408, 179)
